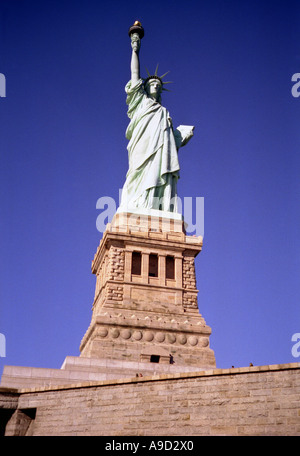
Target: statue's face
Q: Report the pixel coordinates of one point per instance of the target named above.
(153, 88)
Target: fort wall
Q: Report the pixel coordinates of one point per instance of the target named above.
(258, 400)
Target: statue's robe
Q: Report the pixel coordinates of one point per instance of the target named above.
(151, 180)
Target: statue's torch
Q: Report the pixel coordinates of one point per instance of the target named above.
(136, 28)
(136, 33)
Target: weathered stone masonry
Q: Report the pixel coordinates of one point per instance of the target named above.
(261, 400)
(146, 296)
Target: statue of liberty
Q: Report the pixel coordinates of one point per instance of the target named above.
(151, 180)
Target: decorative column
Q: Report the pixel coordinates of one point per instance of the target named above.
(145, 267)
(178, 271)
(128, 264)
(162, 269)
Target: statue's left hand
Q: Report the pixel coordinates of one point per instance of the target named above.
(183, 134)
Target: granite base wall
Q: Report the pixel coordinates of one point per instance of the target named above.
(262, 400)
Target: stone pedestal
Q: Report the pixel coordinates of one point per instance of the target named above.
(145, 307)
(145, 317)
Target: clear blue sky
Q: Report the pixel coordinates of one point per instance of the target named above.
(63, 146)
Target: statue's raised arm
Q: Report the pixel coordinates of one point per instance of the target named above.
(136, 32)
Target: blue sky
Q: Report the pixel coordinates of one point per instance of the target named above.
(63, 146)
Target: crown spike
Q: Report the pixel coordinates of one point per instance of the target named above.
(161, 77)
(156, 69)
(148, 72)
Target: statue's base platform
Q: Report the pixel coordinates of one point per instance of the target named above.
(150, 213)
(77, 369)
(146, 220)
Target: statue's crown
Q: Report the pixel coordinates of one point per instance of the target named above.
(155, 76)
